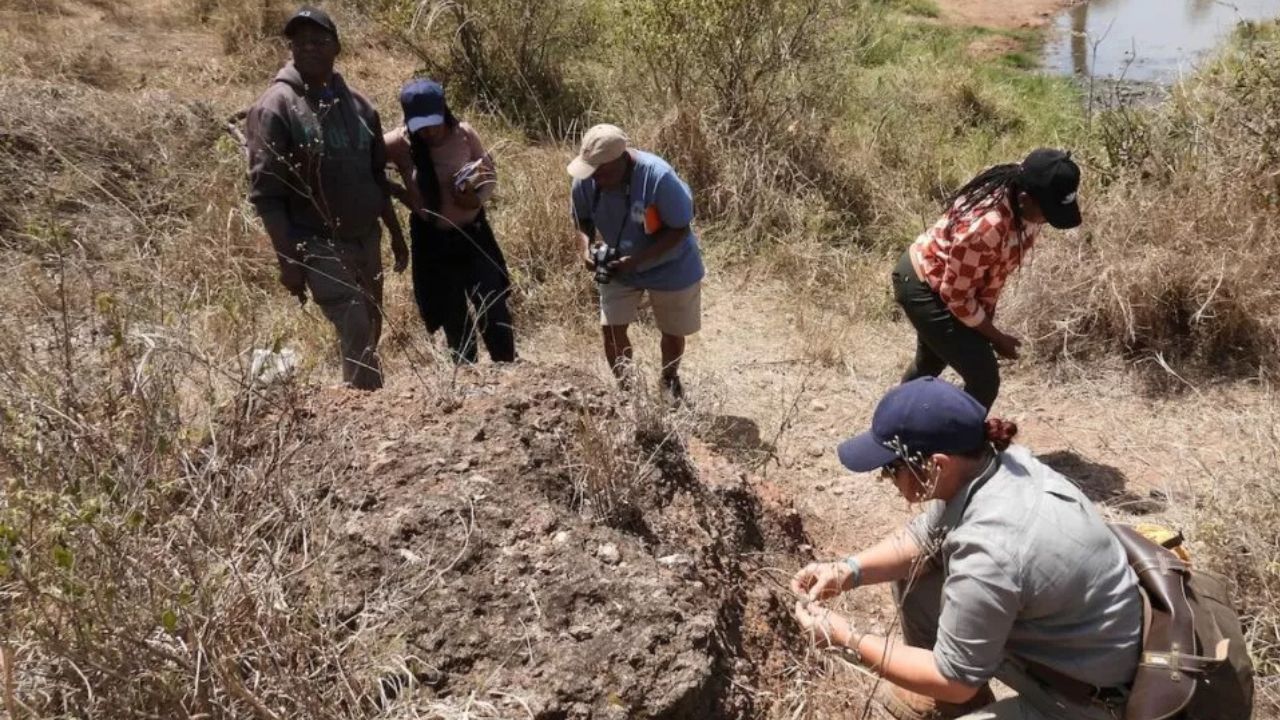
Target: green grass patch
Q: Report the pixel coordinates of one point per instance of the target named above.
(921, 8)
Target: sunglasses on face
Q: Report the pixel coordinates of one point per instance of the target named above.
(890, 471)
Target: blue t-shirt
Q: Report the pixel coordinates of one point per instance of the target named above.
(619, 220)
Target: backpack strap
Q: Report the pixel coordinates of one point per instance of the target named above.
(1166, 677)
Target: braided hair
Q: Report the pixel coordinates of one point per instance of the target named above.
(989, 187)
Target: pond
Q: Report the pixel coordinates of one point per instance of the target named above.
(1145, 41)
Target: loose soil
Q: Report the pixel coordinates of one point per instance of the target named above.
(1002, 15)
(473, 552)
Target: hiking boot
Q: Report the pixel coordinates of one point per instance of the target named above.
(906, 705)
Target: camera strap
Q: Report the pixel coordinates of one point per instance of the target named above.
(626, 210)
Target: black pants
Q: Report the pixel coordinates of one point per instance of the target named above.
(454, 266)
(942, 340)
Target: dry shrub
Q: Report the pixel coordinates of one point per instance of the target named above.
(1172, 268)
(534, 226)
(1189, 294)
(625, 456)
(249, 30)
(1237, 526)
(509, 58)
(96, 65)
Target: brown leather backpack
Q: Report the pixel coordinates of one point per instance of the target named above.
(1194, 665)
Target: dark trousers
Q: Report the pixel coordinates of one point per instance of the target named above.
(942, 340)
(456, 266)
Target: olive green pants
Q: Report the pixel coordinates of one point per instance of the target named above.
(345, 280)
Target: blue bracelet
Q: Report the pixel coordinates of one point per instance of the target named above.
(855, 568)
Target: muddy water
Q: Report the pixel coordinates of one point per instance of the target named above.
(1145, 41)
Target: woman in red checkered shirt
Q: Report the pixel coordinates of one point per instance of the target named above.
(949, 279)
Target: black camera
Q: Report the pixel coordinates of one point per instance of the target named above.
(601, 256)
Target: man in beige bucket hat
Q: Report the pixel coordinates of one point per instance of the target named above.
(634, 217)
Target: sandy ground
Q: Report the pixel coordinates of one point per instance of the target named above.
(753, 367)
(1002, 14)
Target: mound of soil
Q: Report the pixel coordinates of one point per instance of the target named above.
(471, 558)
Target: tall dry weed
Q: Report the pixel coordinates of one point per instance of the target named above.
(1171, 267)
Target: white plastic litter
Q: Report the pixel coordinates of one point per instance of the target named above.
(270, 367)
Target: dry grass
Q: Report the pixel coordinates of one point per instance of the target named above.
(140, 571)
(1172, 268)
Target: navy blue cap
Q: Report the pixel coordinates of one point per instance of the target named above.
(423, 104)
(917, 419)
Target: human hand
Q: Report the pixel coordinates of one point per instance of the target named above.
(467, 198)
(624, 264)
(401, 253)
(1006, 346)
(824, 627)
(294, 280)
(819, 581)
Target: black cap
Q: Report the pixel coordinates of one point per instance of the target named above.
(313, 15)
(1053, 179)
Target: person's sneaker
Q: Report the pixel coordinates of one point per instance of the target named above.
(906, 705)
(673, 388)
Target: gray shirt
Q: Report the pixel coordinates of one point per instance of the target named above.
(1033, 572)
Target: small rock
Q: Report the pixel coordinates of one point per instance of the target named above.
(463, 466)
(837, 490)
(561, 537)
(580, 632)
(409, 556)
(817, 450)
(677, 559)
(380, 463)
(608, 553)
(818, 406)
(819, 487)
(478, 478)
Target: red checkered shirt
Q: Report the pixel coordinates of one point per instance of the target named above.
(967, 257)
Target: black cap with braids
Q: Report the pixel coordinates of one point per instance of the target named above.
(987, 187)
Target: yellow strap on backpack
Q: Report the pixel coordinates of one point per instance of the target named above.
(1165, 538)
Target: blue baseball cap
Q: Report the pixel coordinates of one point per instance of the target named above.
(423, 104)
(917, 419)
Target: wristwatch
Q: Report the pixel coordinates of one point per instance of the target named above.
(855, 571)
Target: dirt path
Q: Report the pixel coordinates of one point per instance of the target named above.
(1001, 14)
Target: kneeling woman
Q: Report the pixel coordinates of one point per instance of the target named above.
(448, 177)
(1013, 575)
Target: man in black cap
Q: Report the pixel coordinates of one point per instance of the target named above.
(318, 180)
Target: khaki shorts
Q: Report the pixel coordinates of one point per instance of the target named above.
(675, 312)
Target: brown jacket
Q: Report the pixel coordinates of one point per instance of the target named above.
(319, 162)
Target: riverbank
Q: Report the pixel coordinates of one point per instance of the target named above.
(1001, 14)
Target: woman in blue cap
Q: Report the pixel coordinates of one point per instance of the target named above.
(1011, 575)
(448, 179)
